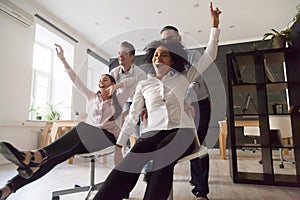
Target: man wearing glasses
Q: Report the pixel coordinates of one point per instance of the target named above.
(197, 96)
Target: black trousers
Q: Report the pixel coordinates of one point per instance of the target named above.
(164, 148)
(200, 166)
(83, 138)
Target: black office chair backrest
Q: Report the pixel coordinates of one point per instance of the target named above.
(275, 138)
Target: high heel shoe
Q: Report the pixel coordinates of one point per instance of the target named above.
(24, 160)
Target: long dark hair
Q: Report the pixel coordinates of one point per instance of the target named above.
(150, 49)
(116, 103)
(178, 55)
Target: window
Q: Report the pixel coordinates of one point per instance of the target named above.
(95, 69)
(48, 75)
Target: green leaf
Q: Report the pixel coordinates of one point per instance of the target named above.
(266, 35)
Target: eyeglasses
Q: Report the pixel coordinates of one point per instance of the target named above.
(173, 38)
(123, 53)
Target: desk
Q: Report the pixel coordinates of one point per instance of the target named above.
(54, 130)
(223, 133)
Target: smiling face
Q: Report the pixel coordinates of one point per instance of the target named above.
(162, 60)
(105, 81)
(125, 58)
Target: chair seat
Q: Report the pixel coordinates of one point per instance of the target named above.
(97, 154)
(198, 152)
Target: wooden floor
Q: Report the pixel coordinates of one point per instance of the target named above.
(221, 187)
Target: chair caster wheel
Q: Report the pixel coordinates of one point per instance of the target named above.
(55, 198)
(281, 166)
(260, 162)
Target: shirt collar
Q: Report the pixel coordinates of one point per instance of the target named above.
(130, 72)
(170, 74)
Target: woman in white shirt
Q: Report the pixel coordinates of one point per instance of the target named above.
(168, 134)
(99, 132)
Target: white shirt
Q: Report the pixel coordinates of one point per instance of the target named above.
(134, 71)
(198, 89)
(164, 98)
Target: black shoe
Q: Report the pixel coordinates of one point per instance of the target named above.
(199, 196)
(191, 183)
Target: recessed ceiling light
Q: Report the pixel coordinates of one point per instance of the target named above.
(199, 31)
(196, 5)
(127, 18)
(159, 12)
(231, 26)
(97, 23)
(143, 39)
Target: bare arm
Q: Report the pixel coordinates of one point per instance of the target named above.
(60, 55)
(88, 94)
(214, 14)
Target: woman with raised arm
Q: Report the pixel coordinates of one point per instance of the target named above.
(99, 132)
(169, 132)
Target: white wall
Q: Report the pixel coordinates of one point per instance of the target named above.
(16, 53)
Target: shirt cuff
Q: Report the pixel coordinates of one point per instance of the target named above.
(122, 139)
(214, 33)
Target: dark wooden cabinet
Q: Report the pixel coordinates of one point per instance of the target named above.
(262, 87)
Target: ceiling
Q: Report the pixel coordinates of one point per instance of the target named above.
(106, 23)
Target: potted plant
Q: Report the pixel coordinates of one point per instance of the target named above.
(76, 115)
(52, 112)
(281, 38)
(37, 112)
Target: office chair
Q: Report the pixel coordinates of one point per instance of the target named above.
(247, 137)
(253, 132)
(92, 186)
(276, 142)
(197, 152)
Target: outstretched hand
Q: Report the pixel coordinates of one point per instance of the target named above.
(214, 13)
(59, 51)
(110, 90)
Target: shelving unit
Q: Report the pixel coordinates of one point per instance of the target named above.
(262, 85)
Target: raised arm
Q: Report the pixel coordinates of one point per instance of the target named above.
(214, 14)
(210, 53)
(60, 55)
(88, 94)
